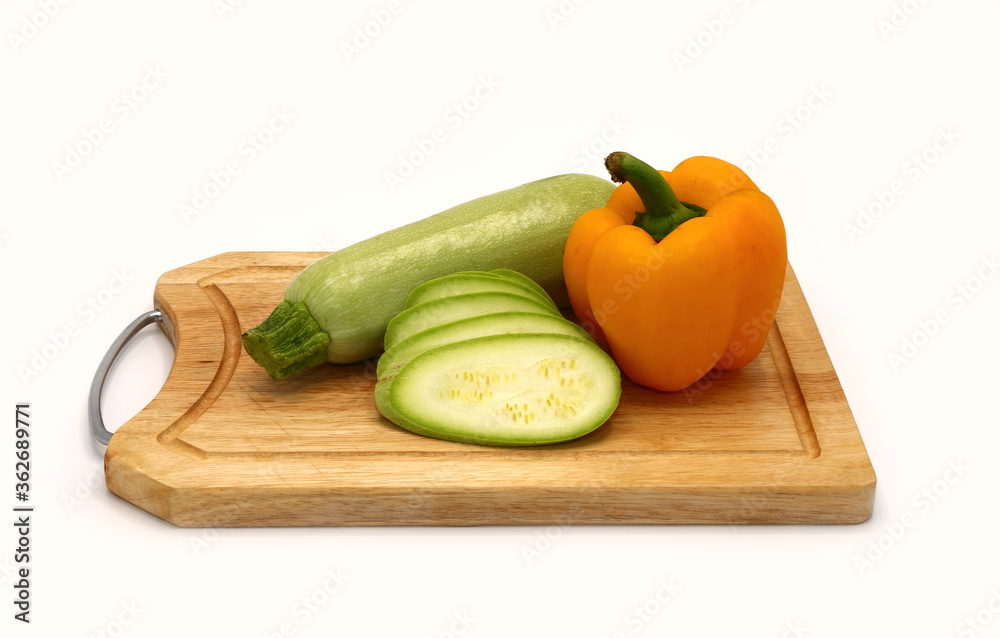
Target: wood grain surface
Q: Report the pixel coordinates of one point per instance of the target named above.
(223, 445)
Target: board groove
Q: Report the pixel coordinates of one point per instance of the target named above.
(793, 393)
(230, 356)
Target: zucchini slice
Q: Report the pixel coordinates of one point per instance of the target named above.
(505, 390)
(471, 282)
(497, 323)
(448, 309)
(522, 279)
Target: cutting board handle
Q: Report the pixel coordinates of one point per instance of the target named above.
(97, 428)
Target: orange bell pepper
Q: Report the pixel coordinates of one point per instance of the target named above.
(681, 272)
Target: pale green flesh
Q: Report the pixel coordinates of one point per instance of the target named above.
(354, 292)
(481, 326)
(521, 389)
(465, 283)
(441, 311)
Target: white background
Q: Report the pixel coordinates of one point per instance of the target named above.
(565, 79)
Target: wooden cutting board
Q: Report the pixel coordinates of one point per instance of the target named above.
(222, 445)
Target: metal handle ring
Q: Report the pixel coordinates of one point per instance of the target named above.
(97, 428)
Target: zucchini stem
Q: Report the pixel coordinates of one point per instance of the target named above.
(287, 342)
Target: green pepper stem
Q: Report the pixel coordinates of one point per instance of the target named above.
(664, 212)
(287, 342)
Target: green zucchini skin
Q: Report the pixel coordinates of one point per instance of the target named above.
(354, 292)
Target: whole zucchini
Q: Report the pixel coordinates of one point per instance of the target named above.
(337, 309)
